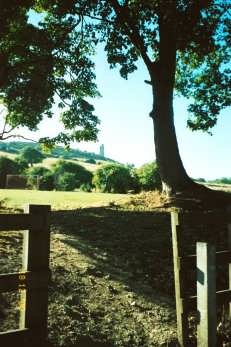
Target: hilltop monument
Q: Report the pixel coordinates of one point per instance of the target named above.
(101, 150)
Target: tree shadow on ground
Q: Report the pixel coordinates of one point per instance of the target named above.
(126, 270)
(85, 341)
(133, 247)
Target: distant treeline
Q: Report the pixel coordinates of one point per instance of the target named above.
(16, 147)
(222, 180)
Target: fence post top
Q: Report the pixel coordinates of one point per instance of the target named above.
(176, 210)
(33, 208)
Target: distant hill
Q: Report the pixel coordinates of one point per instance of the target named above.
(15, 147)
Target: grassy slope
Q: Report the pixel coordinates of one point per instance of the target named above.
(8, 155)
(48, 162)
(58, 200)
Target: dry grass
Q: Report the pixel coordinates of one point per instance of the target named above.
(16, 199)
(8, 155)
(146, 201)
(49, 162)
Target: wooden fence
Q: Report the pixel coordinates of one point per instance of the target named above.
(32, 281)
(204, 299)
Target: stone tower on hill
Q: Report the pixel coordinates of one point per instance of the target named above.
(101, 150)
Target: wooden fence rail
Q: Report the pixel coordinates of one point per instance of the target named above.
(205, 298)
(32, 281)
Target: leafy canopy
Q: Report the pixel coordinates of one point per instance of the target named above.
(31, 155)
(113, 178)
(66, 182)
(7, 167)
(149, 176)
(45, 63)
(53, 60)
(80, 173)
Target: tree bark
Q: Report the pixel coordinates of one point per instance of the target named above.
(173, 174)
(162, 73)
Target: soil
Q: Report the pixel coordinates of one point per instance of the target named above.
(112, 277)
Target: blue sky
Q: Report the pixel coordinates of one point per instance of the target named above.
(126, 129)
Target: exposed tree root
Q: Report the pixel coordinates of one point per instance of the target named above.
(198, 196)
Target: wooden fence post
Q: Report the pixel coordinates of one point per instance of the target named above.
(206, 295)
(36, 249)
(182, 323)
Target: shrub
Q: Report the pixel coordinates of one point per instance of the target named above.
(31, 155)
(86, 187)
(32, 182)
(149, 177)
(38, 170)
(7, 167)
(113, 178)
(81, 174)
(200, 179)
(46, 177)
(66, 182)
(47, 182)
(22, 164)
(223, 180)
(90, 161)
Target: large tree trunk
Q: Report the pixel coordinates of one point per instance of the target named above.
(173, 175)
(162, 73)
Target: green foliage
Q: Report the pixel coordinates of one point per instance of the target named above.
(81, 174)
(90, 161)
(223, 180)
(32, 182)
(31, 155)
(201, 179)
(37, 170)
(46, 182)
(66, 182)
(86, 187)
(46, 177)
(57, 151)
(113, 178)
(16, 146)
(55, 56)
(200, 40)
(22, 164)
(184, 44)
(149, 176)
(39, 61)
(7, 167)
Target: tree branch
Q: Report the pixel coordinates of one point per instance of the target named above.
(18, 136)
(66, 103)
(98, 18)
(67, 32)
(4, 126)
(3, 134)
(131, 31)
(148, 82)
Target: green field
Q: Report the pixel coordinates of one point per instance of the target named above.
(49, 162)
(58, 200)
